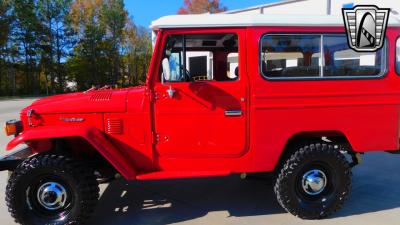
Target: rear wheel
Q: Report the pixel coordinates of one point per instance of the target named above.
(314, 182)
(52, 189)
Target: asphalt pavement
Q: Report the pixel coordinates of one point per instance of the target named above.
(375, 197)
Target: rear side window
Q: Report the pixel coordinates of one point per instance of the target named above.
(293, 56)
(398, 56)
(342, 61)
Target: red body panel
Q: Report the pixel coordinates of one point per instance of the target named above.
(136, 137)
(366, 111)
(197, 115)
(91, 134)
(147, 135)
(85, 102)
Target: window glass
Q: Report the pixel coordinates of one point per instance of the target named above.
(299, 56)
(291, 56)
(398, 56)
(200, 57)
(233, 66)
(340, 60)
(199, 65)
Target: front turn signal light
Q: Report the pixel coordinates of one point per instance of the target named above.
(12, 127)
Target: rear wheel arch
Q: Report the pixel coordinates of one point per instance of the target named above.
(298, 140)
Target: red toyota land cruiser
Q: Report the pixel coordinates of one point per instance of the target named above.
(225, 94)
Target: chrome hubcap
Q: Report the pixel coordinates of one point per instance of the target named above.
(314, 182)
(52, 196)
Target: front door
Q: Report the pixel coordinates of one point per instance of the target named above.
(201, 99)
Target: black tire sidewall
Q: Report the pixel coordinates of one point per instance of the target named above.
(318, 156)
(78, 180)
(24, 182)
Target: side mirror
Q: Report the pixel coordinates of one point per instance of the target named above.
(166, 70)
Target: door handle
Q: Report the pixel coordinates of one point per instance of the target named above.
(233, 112)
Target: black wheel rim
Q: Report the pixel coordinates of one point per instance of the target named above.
(38, 206)
(324, 197)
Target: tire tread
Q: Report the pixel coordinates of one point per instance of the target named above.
(84, 177)
(282, 187)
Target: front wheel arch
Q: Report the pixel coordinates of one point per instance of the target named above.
(93, 136)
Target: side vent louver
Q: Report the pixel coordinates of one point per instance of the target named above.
(101, 96)
(114, 126)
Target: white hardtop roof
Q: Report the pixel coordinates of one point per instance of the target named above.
(238, 20)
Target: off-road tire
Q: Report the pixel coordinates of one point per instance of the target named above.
(291, 195)
(79, 179)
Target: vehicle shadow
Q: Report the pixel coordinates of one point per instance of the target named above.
(172, 201)
(375, 188)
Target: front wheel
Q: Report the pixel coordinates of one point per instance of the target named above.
(51, 189)
(314, 182)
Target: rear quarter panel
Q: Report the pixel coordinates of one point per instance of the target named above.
(366, 111)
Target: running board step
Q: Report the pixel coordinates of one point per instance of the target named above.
(181, 174)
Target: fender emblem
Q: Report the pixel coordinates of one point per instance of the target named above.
(72, 120)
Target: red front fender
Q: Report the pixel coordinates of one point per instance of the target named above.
(91, 134)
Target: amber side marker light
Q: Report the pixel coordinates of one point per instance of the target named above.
(12, 127)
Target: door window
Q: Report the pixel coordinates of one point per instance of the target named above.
(200, 57)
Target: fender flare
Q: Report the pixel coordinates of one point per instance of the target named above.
(91, 134)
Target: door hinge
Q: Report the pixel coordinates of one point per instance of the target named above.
(155, 138)
(154, 96)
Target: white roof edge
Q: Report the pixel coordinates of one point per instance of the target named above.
(238, 20)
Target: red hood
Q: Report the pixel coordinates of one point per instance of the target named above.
(100, 101)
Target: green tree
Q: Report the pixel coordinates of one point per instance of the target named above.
(114, 17)
(46, 44)
(5, 20)
(57, 38)
(26, 41)
(137, 54)
(89, 61)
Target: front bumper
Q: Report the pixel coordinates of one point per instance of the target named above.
(12, 160)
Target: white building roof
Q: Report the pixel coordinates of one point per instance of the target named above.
(238, 20)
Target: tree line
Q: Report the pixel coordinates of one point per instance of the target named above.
(56, 46)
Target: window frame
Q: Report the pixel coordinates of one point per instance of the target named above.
(183, 34)
(384, 64)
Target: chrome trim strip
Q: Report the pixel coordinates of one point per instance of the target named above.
(233, 112)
